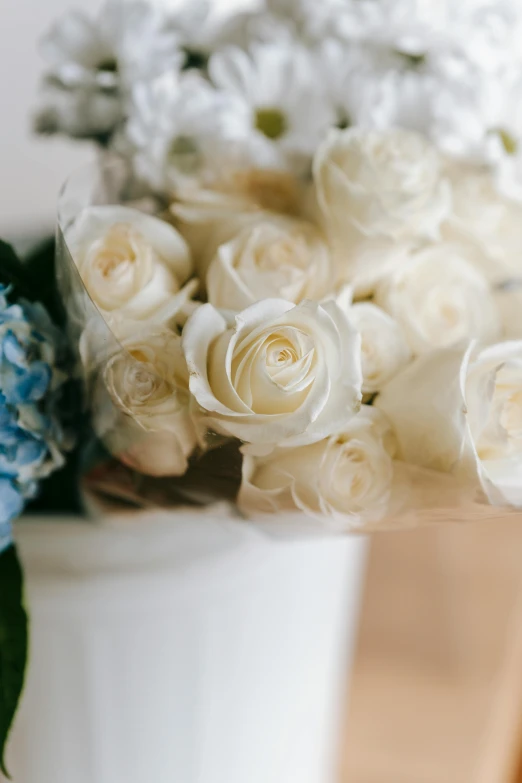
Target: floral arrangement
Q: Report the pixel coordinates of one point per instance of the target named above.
(292, 279)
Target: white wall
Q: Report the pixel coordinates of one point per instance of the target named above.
(32, 170)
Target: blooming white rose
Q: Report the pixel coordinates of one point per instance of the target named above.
(439, 298)
(210, 217)
(131, 263)
(141, 405)
(384, 348)
(344, 480)
(273, 257)
(379, 184)
(483, 218)
(281, 372)
(459, 411)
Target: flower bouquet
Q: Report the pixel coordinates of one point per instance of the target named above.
(291, 279)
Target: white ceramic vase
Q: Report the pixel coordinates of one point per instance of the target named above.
(184, 650)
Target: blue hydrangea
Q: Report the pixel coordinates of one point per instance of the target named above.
(32, 440)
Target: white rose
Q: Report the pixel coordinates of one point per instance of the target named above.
(439, 298)
(345, 479)
(141, 407)
(492, 224)
(379, 185)
(459, 411)
(383, 347)
(281, 372)
(278, 257)
(131, 263)
(209, 217)
(368, 262)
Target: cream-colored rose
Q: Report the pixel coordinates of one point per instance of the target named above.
(280, 372)
(379, 185)
(438, 298)
(131, 263)
(368, 262)
(486, 220)
(208, 218)
(459, 411)
(141, 407)
(278, 257)
(344, 480)
(383, 346)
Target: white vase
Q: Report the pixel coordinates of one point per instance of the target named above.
(184, 650)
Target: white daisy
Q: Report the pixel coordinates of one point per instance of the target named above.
(126, 42)
(249, 27)
(409, 26)
(281, 91)
(182, 131)
(93, 62)
(197, 31)
(310, 20)
(85, 112)
(479, 120)
(374, 87)
(486, 32)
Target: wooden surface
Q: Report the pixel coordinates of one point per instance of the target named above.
(437, 691)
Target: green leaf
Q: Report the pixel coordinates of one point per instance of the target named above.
(13, 644)
(12, 271)
(33, 277)
(39, 269)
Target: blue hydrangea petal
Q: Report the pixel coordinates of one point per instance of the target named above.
(32, 440)
(9, 436)
(11, 501)
(21, 452)
(8, 415)
(30, 451)
(12, 313)
(26, 385)
(14, 351)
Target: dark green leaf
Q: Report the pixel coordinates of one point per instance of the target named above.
(39, 269)
(33, 278)
(13, 644)
(12, 272)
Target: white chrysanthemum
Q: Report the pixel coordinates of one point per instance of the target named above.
(480, 120)
(310, 20)
(409, 26)
(490, 31)
(374, 87)
(456, 91)
(486, 32)
(197, 31)
(127, 41)
(84, 112)
(249, 27)
(183, 131)
(279, 88)
(93, 62)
